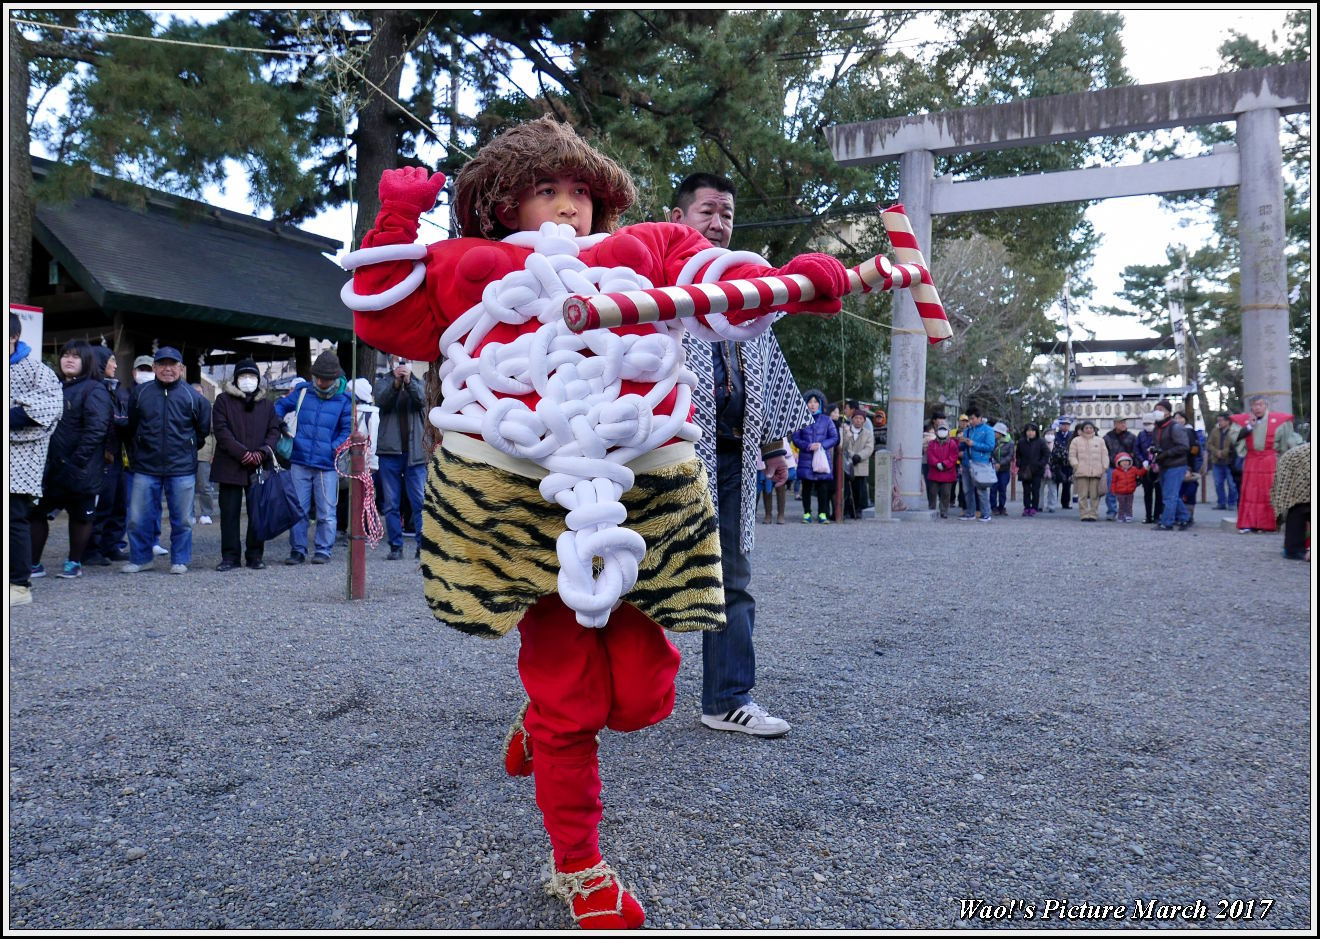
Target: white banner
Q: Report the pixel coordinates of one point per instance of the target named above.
(34, 325)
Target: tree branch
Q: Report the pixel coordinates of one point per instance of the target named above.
(46, 49)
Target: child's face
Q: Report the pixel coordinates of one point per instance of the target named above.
(564, 200)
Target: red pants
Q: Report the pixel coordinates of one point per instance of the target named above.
(579, 681)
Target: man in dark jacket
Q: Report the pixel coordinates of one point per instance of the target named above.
(246, 432)
(401, 450)
(168, 422)
(1119, 440)
(1170, 449)
(1221, 449)
(1059, 464)
(324, 421)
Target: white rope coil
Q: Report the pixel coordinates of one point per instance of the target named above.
(720, 329)
(584, 430)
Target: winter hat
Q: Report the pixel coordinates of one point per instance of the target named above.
(326, 366)
(102, 356)
(1121, 457)
(1001, 428)
(142, 361)
(362, 388)
(1164, 403)
(248, 366)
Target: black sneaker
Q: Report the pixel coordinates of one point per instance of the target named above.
(320, 558)
(226, 566)
(295, 558)
(256, 564)
(395, 553)
(95, 560)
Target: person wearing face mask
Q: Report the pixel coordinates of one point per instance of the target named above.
(1032, 456)
(1150, 482)
(325, 420)
(246, 431)
(942, 460)
(1049, 481)
(143, 371)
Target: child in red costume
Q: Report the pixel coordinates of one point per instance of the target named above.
(1123, 483)
(536, 421)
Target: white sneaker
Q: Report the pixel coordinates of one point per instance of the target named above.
(178, 568)
(751, 718)
(159, 551)
(134, 568)
(19, 595)
(204, 520)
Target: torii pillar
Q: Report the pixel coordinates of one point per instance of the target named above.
(1264, 275)
(907, 355)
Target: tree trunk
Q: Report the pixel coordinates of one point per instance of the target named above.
(377, 139)
(378, 129)
(20, 172)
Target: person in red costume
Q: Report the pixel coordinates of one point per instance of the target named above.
(1262, 436)
(536, 420)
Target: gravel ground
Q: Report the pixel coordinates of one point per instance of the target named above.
(1032, 712)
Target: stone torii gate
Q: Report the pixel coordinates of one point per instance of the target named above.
(1254, 99)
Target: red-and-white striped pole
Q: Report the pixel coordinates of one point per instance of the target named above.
(627, 308)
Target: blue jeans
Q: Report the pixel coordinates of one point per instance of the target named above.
(394, 471)
(1175, 510)
(982, 500)
(727, 658)
(1111, 500)
(321, 486)
(144, 516)
(1226, 492)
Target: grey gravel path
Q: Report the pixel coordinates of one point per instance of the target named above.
(1029, 710)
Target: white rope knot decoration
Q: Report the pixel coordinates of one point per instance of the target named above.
(583, 430)
(566, 886)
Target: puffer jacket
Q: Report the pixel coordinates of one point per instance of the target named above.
(36, 404)
(821, 430)
(323, 423)
(946, 452)
(241, 422)
(1032, 456)
(76, 461)
(1087, 456)
(168, 425)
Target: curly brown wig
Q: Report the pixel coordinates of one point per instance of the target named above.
(520, 156)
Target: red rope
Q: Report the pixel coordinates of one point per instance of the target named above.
(371, 526)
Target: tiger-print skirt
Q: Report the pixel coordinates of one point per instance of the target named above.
(488, 546)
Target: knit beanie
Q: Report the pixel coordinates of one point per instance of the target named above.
(246, 365)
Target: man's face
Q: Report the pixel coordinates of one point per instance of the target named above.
(1221, 423)
(858, 419)
(111, 367)
(168, 370)
(1259, 408)
(974, 420)
(1120, 426)
(711, 213)
(325, 384)
(564, 200)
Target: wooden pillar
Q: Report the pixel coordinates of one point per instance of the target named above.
(302, 357)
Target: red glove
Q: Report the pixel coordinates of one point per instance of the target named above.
(412, 187)
(827, 275)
